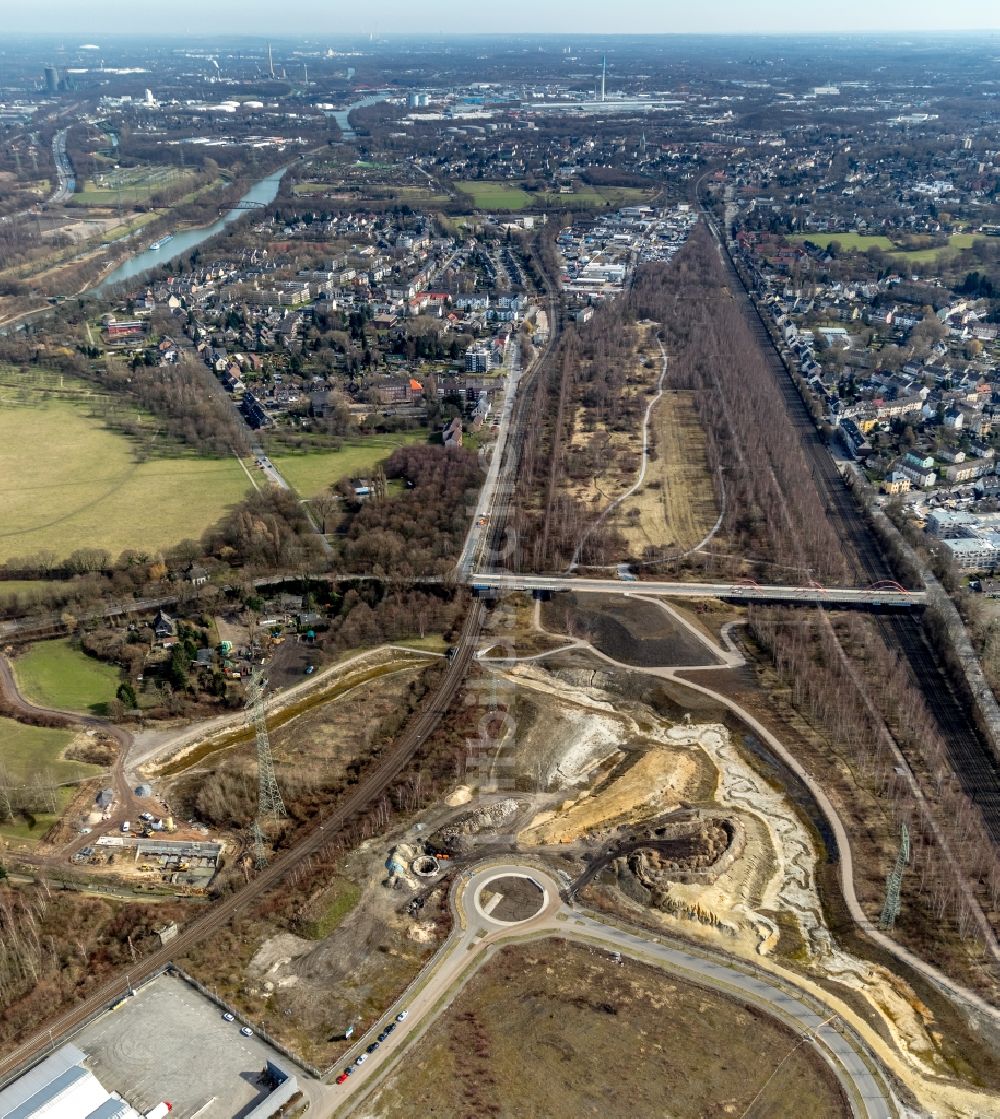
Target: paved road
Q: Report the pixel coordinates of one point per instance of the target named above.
(828, 596)
(477, 935)
(64, 170)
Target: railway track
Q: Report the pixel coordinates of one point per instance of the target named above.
(500, 514)
(972, 758)
(368, 789)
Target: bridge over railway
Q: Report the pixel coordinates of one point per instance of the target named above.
(886, 593)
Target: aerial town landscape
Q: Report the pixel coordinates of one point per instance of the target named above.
(499, 575)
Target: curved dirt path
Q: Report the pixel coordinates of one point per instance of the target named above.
(574, 563)
(730, 657)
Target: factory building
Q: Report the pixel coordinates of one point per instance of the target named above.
(62, 1087)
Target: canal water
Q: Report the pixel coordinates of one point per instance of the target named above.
(263, 192)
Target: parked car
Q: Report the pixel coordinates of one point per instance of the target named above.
(361, 1059)
(371, 1048)
(227, 1017)
(246, 1031)
(401, 1016)
(342, 1078)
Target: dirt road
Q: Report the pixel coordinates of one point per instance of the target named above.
(126, 804)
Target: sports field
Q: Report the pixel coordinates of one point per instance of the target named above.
(488, 195)
(313, 472)
(70, 483)
(58, 674)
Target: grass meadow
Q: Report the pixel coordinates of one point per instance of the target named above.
(69, 483)
(58, 674)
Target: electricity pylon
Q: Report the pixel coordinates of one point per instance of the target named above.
(893, 881)
(270, 806)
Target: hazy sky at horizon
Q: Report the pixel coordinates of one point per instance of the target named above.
(312, 18)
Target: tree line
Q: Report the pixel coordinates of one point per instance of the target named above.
(871, 707)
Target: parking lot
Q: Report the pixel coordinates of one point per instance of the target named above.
(170, 1043)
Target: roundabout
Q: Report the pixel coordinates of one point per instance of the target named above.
(510, 899)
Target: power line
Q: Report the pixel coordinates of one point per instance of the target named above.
(270, 806)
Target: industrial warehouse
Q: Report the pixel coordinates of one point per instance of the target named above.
(62, 1087)
(146, 1046)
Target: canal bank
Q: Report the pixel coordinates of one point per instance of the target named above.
(260, 194)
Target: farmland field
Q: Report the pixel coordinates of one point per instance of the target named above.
(57, 674)
(71, 483)
(314, 471)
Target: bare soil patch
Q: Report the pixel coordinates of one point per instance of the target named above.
(556, 1030)
(631, 631)
(520, 898)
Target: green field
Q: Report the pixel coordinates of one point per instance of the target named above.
(849, 242)
(497, 196)
(341, 897)
(380, 192)
(58, 674)
(26, 751)
(862, 242)
(313, 472)
(601, 196)
(71, 483)
(128, 187)
(509, 196)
